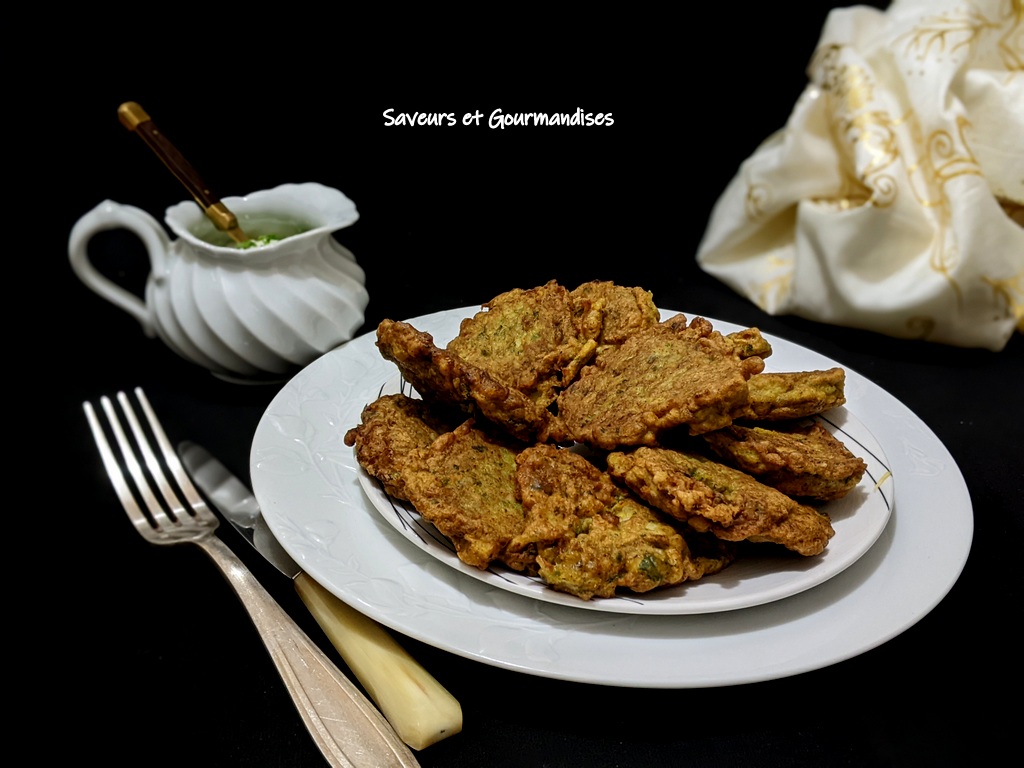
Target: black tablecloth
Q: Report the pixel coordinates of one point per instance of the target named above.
(161, 662)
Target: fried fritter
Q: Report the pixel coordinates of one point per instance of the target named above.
(592, 537)
(559, 490)
(804, 461)
(442, 376)
(637, 552)
(726, 502)
(750, 343)
(784, 396)
(682, 484)
(805, 530)
(391, 430)
(529, 340)
(465, 485)
(612, 313)
(662, 377)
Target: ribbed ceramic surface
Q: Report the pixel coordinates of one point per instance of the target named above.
(260, 312)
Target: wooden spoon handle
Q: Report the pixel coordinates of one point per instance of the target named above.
(135, 119)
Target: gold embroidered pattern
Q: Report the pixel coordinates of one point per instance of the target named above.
(947, 156)
(858, 129)
(952, 31)
(1010, 294)
(943, 158)
(965, 29)
(1011, 43)
(892, 148)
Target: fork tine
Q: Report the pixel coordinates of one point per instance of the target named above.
(115, 473)
(195, 501)
(157, 513)
(178, 510)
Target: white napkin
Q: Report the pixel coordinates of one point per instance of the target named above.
(893, 199)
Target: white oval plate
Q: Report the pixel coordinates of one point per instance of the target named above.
(307, 482)
(858, 520)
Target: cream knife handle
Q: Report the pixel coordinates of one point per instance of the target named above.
(345, 725)
(421, 710)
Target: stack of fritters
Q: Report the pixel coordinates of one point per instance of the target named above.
(577, 436)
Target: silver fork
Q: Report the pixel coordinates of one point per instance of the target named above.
(343, 722)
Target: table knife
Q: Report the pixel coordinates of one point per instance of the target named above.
(419, 708)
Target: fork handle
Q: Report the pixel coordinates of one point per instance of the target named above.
(345, 725)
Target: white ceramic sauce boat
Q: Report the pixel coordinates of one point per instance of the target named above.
(245, 314)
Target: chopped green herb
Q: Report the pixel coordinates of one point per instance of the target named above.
(259, 241)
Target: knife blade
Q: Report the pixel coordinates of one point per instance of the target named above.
(420, 709)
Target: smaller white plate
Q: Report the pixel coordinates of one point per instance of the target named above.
(858, 519)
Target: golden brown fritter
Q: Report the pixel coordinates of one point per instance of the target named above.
(805, 461)
(465, 485)
(592, 537)
(659, 378)
(391, 430)
(442, 376)
(805, 530)
(559, 490)
(712, 497)
(612, 313)
(529, 340)
(684, 484)
(783, 396)
(637, 552)
(750, 343)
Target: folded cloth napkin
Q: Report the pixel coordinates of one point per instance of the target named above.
(893, 199)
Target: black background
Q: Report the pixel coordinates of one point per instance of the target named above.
(151, 661)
